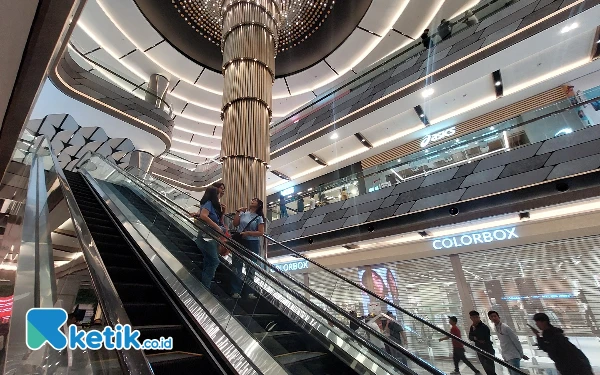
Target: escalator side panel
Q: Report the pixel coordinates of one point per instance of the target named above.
(147, 307)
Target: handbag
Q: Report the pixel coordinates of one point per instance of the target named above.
(237, 236)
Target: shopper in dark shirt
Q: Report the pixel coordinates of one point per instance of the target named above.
(426, 39)
(480, 333)
(444, 29)
(569, 360)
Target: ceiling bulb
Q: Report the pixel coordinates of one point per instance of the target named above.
(427, 93)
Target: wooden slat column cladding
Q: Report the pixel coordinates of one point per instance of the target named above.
(502, 114)
(249, 45)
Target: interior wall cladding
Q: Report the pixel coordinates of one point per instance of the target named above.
(71, 141)
(414, 66)
(567, 155)
(560, 278)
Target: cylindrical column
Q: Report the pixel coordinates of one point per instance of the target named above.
(157, 90)
(249, 44)
(141, 160)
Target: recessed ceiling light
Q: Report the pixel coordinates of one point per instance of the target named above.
(498, 83)
(568, 28)
(427, 93)
(334, 136)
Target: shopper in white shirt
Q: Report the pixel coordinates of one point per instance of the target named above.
(512, 350)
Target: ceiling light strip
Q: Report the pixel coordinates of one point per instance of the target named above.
(111, 18)
(428, 76)
(196, 144)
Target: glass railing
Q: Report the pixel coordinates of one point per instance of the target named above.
(327, 322)
(193, 167)
(421, 337)
(122, 79)
(563, 117)
(482, 12)
(45, 277)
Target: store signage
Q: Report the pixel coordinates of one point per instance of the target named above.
(475, 238)
(291, 266)
(438, 136)
(288, 191)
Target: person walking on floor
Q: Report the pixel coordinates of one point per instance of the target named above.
(512, 350)
(568, 358)
(458, 349)
(480, 333)
(251, 226)
(211, 214)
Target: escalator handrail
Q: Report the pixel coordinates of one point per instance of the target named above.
(241, 252)
(362, 288)
(134, 361)
(397, 307)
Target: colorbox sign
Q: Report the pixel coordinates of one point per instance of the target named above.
(469, 239)
(292, 266)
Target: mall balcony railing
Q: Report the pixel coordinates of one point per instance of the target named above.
(524, 129)
(121, 79)
(482, 12)
(422, 335)
(37, 273)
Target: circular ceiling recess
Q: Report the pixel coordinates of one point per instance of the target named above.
(309, 30)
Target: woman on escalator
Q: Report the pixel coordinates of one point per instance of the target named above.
(211, 214)
(250, 223)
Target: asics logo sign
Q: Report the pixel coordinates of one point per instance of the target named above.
(475, 238)
(438, 136)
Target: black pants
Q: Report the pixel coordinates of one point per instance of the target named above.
(489, 366)
(458, 355)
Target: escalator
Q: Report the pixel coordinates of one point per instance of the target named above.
(149, 307)
(141, 257)
(292, 347)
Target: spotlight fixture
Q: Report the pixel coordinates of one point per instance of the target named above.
(371, 228)
(423, 233)
(427, 93)
(364, 141)
(421, 114)
(316, 159)
(498, 86)
(562, 186)
(281, 175)
(524, 215)
(454, 211)
(568, 28)
(351, 246)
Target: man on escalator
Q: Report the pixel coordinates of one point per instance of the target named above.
(480, 333)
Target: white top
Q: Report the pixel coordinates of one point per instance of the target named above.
(509, 342)
(375, 340)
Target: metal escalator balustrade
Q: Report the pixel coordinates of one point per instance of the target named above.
(273, 286)
(421, 332)
(149, 309)
(49, 201)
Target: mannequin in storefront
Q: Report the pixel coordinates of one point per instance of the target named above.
(343, 194)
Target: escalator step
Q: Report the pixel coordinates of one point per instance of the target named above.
(124, 260)
(296, 357)
(182, 362)
(145, 314)
(137, 292)
(127, 274)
